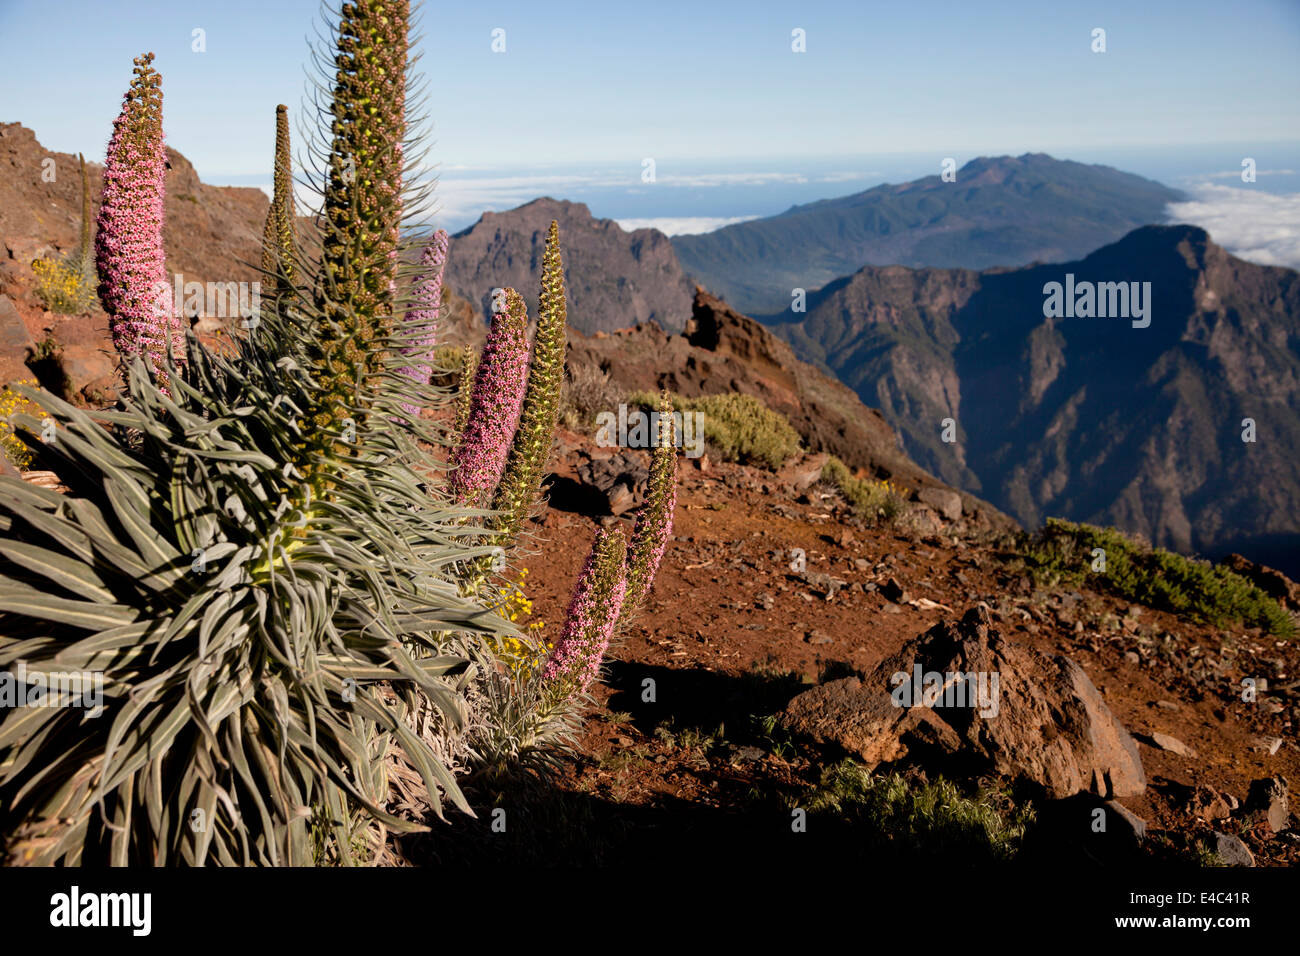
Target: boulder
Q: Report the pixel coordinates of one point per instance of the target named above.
(1128, 824)
(921, 519)
(942, 500)
(1269, 580)
(893, 591)
(1084, 830)
(805, 472)
(88, 371)
(827, 585)
(1270, 801)
(603, 486)
(1016, 713)
(1232, 851)
(16, 343)
(1172, 744)
(1207, 804)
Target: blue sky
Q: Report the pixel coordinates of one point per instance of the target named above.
(712, 91)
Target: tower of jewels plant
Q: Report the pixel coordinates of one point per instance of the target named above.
(279, 240)
(255, 576)
(133, 285)
(253, 641)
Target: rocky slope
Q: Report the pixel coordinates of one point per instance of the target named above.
(751, 659)
(1090, 418)
(722, 351)
(615, 279)
(211, 234)
(735, 634)
(1000, 211)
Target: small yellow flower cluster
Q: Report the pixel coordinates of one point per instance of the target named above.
(64, 286)
(11, 403)
(521, 656)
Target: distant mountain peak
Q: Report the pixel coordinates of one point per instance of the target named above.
(542, 208)
(1192, 243)
(1001, 211)
(615, 279)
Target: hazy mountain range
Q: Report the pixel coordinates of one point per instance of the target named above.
(1088, 418)
(1001, 211)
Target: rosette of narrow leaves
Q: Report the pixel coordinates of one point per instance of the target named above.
(418, 332)
(592, 615)
(362, 211)
(654, 521)
(495, 403)
(242, 636)
(521, 480)
(279, 244)
(133, 284)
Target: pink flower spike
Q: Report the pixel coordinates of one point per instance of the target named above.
(593, 614)
(420, 324)
(495, 402)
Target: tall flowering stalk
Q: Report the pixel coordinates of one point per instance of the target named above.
(654, 522)
(420, 324)
(129, 253)
(465, 391)
(279, 244)
(85, 252)
(522, 477)
(592, 615)
(362, 212)
(495, 402)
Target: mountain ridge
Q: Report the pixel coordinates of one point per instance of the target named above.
(1000, 211)
(1089, 418)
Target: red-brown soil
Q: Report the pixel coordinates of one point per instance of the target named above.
(705, 634)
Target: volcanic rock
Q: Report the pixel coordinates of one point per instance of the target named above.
(942, 500)
(1045, 723)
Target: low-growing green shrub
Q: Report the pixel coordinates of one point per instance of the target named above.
(68, 285)
(1155, 577)
(872, 500)
(64, 286)
(931, 818)
(740, 427)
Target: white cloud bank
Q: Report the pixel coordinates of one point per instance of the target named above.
(1236, 173)
(1255, 226)
(682, 225)
(464, 199)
